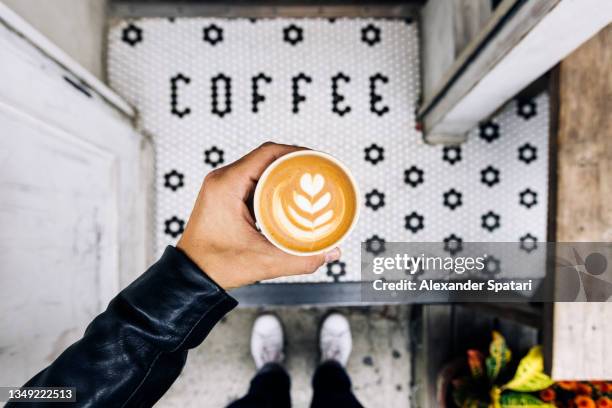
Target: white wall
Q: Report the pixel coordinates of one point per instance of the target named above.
(73, 211)
(76, 26)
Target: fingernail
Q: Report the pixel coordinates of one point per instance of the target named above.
(332, 255)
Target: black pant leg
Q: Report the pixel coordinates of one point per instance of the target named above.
(269, 389)
(332, 387)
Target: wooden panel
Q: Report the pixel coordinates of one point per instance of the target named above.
(582, 332)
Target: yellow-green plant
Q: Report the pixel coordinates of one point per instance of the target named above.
(483, 387)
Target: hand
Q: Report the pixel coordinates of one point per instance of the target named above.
(221, 237)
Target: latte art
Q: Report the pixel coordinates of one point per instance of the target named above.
(306, 203)
(306, 214)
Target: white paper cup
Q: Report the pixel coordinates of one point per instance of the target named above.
(262, 180)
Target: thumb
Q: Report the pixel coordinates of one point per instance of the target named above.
(299, 265)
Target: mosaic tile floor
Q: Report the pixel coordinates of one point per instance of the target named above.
(210, 90)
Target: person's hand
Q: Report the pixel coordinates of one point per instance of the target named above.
(221, 237)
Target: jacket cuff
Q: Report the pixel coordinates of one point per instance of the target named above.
(176, 302)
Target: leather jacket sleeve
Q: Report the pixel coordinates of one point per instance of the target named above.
(132, 352)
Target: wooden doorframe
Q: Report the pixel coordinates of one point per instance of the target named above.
(579, 334)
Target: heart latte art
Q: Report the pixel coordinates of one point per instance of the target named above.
(306, 203)
(315, 220)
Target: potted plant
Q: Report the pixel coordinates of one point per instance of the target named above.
(489, 382)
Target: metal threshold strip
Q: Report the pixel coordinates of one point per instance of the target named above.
(264, 9)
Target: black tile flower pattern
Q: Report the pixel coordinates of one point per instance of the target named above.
(489, 176)
(489, 131)
(452, 199)
(374, 154)
(527, 153)
(131, 35)
(414, 222)
(375, 199)
(336, 270)
(451, 154)
(529, 243)
(528, 198)
(371, 35)
(526, 108)
(375, 245)
(453, 244)
(174, 226)
(492, 266)
(414, 176)
(293, 34)
(213, 156)
(174, 180)
(490, 221)
(213, 34)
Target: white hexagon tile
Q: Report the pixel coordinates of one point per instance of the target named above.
(210, 90)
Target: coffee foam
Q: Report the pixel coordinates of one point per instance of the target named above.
(307, 203)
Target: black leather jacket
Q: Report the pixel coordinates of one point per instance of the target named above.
(131, 353)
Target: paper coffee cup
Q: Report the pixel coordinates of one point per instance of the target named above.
(306, 202)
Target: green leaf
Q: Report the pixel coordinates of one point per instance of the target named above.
(522, 400)
(530, 375)
(495, 395)
(476, 363)
(499, 356)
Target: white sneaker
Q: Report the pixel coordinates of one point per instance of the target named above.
(267, 340)
(335, 339)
